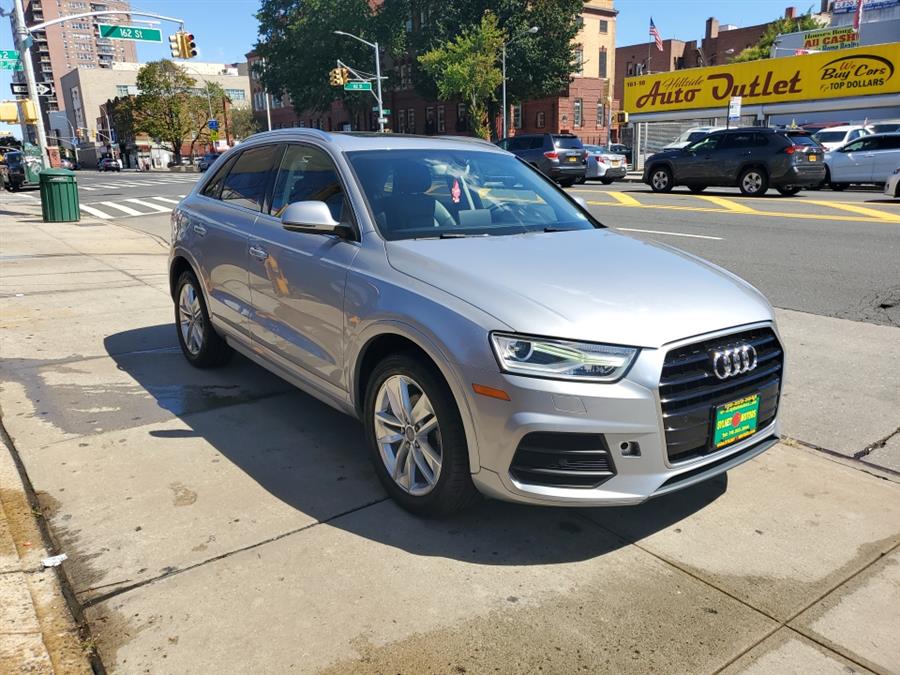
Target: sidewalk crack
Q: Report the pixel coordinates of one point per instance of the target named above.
(876, 445)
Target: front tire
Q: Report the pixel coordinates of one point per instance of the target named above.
(416, 438)
(566, 182)
(696, 189)
(606, 181)
(753, 182)
(200, 344)
(788, 191)
(661, 179)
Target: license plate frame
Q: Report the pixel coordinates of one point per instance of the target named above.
(572, 158)
(812, 158)
(735, 421)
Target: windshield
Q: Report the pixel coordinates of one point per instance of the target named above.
(800, 139)
(829, 136)
(429, 193)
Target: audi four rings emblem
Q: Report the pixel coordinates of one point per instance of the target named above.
(733, 361)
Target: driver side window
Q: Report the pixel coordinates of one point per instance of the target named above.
(705, 145)
(307, 174)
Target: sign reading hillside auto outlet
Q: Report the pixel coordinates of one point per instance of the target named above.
(847, 72)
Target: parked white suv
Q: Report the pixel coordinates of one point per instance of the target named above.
(871, 159)
(832, 138)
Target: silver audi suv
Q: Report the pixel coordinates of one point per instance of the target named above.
(492, 336)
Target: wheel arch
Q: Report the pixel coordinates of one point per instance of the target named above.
(382, 340)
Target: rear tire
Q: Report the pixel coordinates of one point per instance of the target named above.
(788, 191)
(661, 179)
(201, 345)
(839, 187)
(419, 448)
(753, 182)
(606, 181)
(566, 182)
(696, 189)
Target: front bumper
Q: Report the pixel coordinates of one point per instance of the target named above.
(626, 414)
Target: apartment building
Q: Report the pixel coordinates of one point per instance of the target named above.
(73, 44)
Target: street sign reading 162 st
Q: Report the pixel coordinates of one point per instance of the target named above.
(9, 60)
(119, 32)
(358, 86)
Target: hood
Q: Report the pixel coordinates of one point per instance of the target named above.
(595, 285)
(676, 146)
(668, 152)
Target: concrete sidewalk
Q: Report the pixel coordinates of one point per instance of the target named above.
(222, 521)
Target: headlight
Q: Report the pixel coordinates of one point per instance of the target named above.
(561, 359)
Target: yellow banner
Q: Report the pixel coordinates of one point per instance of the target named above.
(837, 74)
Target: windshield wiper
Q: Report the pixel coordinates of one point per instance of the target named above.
(553, 228)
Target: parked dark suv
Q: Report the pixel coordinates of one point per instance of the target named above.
(753, 159)
(560, 156)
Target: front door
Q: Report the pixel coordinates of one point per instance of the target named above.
(297, 279)
(698, 163)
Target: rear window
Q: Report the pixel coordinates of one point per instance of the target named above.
(830, 136)
(885, 127)
(567, 142)
(800, 139)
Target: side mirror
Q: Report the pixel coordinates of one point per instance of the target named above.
(313, 217)
(581, 202)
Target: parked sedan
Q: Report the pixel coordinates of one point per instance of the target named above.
(604, 165)
(108, 164)
(490, 334)
(866, 160)
(834, 137)
(751, 158)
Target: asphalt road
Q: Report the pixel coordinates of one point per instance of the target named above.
(829, 253)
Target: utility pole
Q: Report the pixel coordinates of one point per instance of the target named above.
(23, 40)
(373, 45)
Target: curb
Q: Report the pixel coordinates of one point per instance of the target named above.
(38, 629)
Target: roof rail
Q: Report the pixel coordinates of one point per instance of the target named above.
(309, 131)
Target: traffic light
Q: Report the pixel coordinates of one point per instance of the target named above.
(334, 77)
(622, 117)
(175, 45)
(188, 46)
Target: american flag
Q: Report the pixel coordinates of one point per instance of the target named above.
(655, 34)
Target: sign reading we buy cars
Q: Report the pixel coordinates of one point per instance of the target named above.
(836, 74)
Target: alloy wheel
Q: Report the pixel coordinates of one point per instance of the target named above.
(660, 179)
(190, 319)
(752, 182)
(408, 435)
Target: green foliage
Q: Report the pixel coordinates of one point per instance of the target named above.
(763, 48)
(467, 68)
(166, 105)
(242, 122)
(536, 65)
(299, 46)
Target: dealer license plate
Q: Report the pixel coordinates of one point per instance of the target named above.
(573, 159)
(615, 162)
(735, 421)
(812, 158)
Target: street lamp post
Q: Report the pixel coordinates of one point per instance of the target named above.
(373, 45)
(530, 31)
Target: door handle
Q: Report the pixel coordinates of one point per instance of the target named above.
(258, 252)
(199, 229)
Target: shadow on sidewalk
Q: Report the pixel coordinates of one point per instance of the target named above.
(330, 455)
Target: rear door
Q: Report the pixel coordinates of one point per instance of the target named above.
(856, 163)
(220, 223)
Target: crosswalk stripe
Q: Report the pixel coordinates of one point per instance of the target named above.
(124, 209)
(166, 199)
(84, 187)
(97, 213)
(107, 185)
(149, 205)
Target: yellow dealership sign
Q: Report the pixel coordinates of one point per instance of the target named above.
(836, 74)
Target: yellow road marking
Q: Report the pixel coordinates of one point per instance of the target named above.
(774, 214)
(853, 208)
(622, 198)
(727, 204)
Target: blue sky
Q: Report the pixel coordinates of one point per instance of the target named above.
(226, 29)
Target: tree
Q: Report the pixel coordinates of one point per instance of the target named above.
(467, 68)
(207, 102)
(537, 65)
(243, 122)
(299, 46)
(763, 48)
(166, 105)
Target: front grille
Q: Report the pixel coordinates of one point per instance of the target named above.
(689, 391)
(562, 460)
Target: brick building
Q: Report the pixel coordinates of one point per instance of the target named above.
(719, 44)
(583, 108)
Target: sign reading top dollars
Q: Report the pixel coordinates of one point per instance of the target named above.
(136, 33)
(827, 75)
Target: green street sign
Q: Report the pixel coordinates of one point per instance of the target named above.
(358, 86)
(386, 111)
(8, 55)
(9, 64)
(136, 33)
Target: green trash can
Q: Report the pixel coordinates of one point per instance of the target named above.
(59, 196)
